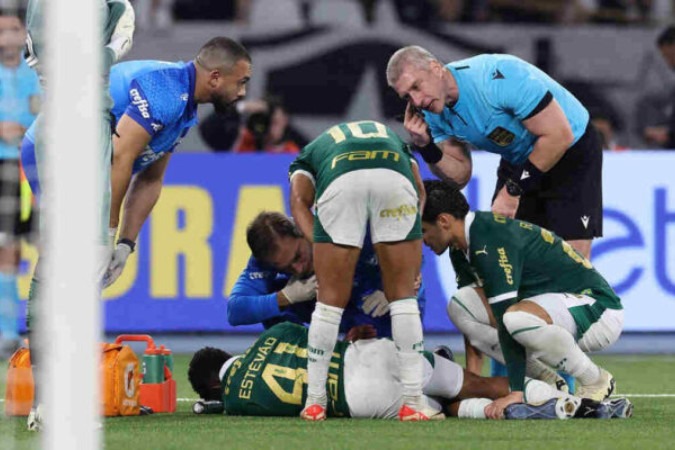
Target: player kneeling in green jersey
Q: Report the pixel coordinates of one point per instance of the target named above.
(270, 379)
(356, 175)
(547, 299)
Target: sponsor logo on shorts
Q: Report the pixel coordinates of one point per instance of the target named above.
(401, 211)
(156, 126)
(505, 264)
(140, 103)
(365, 155)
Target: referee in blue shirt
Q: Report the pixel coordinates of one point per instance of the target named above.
(551, 168)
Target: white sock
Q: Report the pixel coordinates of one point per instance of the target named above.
(446, 380)
(323, 331)
(467, 311)
(551, 344)
(473, 408)
(406, 329)
(540, 371)
(537, 392)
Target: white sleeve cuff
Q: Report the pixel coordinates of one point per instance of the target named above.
(305, 173)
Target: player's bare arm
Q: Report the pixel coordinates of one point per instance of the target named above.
(302, 198)
(143, 193)
(455, 166)
(554, 136)
(420, 187)
(128, 143)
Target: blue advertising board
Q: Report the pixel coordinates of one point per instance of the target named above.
(193, 246)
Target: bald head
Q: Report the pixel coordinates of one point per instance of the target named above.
(412, 55)
(221, 53)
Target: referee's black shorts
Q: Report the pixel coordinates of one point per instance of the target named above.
(569, 201)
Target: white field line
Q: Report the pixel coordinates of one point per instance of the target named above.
(619, 395)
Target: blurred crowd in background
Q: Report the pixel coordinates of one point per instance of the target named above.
(160, 13)
(266, 121)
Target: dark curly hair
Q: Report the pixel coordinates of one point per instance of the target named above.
(203, 372)
(443, 198)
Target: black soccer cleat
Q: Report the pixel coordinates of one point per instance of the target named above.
(590, 409)
(444, 352)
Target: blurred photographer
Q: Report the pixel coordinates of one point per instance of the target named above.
(268, 130)
(254, 126)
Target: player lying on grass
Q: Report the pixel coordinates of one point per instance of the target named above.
(270, 379)
(278, 283)
(548, 300)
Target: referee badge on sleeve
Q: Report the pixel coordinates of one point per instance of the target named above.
(501, 136)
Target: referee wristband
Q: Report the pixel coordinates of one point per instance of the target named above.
(530, 177)
(128, 242)
(430, 153)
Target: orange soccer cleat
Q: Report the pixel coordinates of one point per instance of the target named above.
(314, 413)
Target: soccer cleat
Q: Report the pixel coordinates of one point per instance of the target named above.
(590, 409)
(314, 413)
(408, 414)
(555, 408)
(444, 352)
(619, 408)
(600, 390)
(34, 421)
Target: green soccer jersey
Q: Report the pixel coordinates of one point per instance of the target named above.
(270, 379)
(353, 146)
(515, 260)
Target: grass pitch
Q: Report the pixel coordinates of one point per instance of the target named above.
(652, 426)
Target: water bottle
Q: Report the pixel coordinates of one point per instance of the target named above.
(208, 407)
(168, 357)
(153, 366)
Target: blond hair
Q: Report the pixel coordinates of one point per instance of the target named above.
(413, 55)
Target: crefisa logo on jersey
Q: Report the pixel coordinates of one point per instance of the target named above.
(140, 103)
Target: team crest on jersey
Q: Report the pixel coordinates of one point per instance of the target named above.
(501, 136)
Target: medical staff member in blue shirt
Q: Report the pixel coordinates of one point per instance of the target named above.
(551, 168)
(278, 283)
(155, 107)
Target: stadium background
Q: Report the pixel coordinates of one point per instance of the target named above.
(193, 248)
